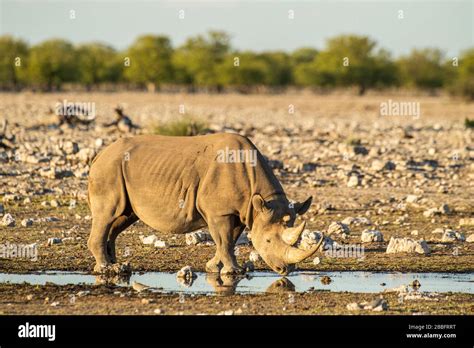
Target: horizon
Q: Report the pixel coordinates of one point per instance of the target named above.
(446, 25)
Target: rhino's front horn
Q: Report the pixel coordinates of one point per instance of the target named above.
(294, 255)
(290, 235)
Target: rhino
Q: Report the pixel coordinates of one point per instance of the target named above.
(180, 184)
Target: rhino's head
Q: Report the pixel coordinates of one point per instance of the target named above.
(274, 236)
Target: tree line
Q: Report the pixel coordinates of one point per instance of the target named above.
(209, 62)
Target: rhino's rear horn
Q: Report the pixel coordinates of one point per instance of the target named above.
(290, 235)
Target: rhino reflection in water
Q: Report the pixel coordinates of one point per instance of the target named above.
(178, 185)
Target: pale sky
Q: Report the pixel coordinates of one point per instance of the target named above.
(254, 25)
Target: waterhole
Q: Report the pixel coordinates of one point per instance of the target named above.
(259, 282)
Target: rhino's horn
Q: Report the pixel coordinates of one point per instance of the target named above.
(290, 235)
(294, 255)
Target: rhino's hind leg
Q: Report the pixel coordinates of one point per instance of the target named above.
(120, 224)
(97, 243)
(224, 230)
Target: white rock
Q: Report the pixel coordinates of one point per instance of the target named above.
(357, 221)
(254, 256)
(338, 228)
(159, 244)
(70, 147)
(431, 212)
(316, 261)
(27, 222)
(412, 198)
(407, 245)
(369, 236)
(8, 220)
(353, 181)
(151, 239)
(197, 237)
(470, 239)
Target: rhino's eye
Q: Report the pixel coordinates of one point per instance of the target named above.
(268, 240)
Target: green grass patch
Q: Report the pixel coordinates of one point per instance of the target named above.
(187, 126)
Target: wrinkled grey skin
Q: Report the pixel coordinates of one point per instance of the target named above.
(178, 185)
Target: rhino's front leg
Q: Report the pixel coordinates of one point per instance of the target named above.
(223, 231)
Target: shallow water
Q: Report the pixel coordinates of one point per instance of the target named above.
(258, 282)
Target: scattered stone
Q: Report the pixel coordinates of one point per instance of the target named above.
(414, 233)
(356, 221)
(431, 212)
(54, 240)
(369, 236)
(309, 238)
(338, 228)
(150, 240)
(316, 261)
(470, 239)
(70, 147)
(377, 305)
(8, 220)
(354, 181)
(159, 244)
(254, 256)
(326, 280)
(54, 203)
(197, 237)
(412, 198)
(407, 245)
(27, 222)
(379, 165)
(452, 236)
(416, 284)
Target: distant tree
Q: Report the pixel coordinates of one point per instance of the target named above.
(150, 61)
(98, 63)
(348, 60)
(13, 57)
(242, 70)
(422, 69)
(196, 62)
(51, 63)
(463, 81)
(278, 70)
(303, 55)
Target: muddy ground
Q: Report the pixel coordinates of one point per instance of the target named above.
(314, 151)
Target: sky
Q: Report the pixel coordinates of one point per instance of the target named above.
(253, 25)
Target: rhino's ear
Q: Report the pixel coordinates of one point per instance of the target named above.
(301, 208)
(258, 203)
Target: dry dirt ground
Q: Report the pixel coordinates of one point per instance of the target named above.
(316, 144)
